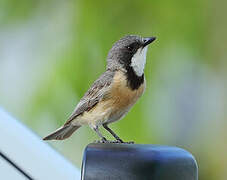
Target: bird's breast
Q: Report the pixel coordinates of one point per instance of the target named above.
(121, 95)
(115, 105)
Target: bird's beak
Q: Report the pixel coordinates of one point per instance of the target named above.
(148, 40)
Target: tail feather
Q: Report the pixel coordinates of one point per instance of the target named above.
(62, 133)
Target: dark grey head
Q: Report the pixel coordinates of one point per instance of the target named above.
(129, 53)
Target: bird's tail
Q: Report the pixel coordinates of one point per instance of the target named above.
(62, 133)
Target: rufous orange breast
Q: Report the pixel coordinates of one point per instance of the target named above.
(122, 97)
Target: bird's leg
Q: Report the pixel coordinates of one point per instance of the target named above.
(103, 139)
(115, 136)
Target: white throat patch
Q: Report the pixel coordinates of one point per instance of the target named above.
(139, 60)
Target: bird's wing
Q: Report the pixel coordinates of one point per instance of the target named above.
(97, 92)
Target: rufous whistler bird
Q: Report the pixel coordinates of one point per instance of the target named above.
(113, 94)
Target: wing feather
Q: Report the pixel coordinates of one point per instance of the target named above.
(98, 91)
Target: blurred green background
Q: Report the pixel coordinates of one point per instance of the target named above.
(51, 52)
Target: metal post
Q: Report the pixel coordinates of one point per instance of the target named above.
(137, 162)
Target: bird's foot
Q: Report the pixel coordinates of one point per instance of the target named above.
(122, 142)
(103, 140)
(130, 142)
(118, 141)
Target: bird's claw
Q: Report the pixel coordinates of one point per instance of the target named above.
(105, 141)
(130, 142)
(122, 142)
(101, 141)
(113, 142)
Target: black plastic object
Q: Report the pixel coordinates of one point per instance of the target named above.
(137, 162)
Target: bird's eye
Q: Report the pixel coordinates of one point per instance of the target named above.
(130, 48)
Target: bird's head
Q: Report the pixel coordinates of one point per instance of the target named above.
(129, 52)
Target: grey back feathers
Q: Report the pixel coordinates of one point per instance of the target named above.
(98, 91)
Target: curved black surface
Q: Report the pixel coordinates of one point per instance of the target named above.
(137, 162)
